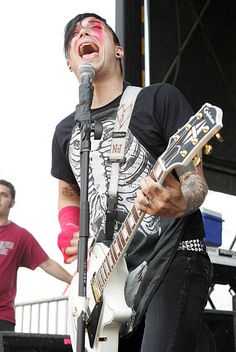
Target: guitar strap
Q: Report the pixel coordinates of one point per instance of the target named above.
(117, 152)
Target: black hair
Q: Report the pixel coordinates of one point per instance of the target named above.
(69, 29)
(10, 186)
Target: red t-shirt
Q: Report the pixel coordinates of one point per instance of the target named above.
(18, 248)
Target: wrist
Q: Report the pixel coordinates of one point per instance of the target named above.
(69, 216)
(69, 221)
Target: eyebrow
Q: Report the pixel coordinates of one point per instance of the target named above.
(95, 21)
(4, 193)
(92, 21)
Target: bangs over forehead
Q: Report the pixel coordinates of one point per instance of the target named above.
(71, 25)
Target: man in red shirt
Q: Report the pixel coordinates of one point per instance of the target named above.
(18, 248)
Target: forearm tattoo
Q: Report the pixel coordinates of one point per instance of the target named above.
(194, 188)
(70, 190)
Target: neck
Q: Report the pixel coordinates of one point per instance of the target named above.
(4, 221)
(106, 90)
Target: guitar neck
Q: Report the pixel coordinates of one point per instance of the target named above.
(123, 239)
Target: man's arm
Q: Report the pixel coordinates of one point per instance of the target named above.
(69, 215)
(68, 195)
(194, 188)
(53, 268)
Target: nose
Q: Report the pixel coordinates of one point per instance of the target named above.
(83, 32)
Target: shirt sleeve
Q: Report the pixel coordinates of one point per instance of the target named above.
(34, 255)
(60, 167)
(159, 111)
(172, 110)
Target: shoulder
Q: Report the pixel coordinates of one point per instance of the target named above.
(164, 99)
(16, 228)
(65, 124)
(161, 90)
(23, 232)
(19, 234)
(63, 132)
(160, 109)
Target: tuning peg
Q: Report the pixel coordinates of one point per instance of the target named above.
(199, 115)
(207, 149)
(197, 160)
(219, 138)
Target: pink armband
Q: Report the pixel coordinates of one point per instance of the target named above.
(69, 221)
(69, 215)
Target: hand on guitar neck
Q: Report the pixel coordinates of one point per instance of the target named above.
(157, 200)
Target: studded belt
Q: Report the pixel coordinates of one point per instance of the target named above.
(192, 245)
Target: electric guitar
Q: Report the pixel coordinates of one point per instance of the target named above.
(105, 305)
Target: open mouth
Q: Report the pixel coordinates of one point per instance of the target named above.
(87, 49)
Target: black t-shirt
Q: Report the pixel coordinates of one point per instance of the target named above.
(160, 109)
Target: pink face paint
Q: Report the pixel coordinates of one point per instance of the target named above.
(93, 26)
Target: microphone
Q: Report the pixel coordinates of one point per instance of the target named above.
(86, 72)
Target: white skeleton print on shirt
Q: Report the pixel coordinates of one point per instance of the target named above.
(137, 165)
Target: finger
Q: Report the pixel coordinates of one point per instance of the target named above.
(143, 186)
(170, 181)
(142, 202)
(147, 186)
(72, 249)
(158, 188)
(70, 259)
(141, 198)
(146, 203)
(153, 188)
(76, 235)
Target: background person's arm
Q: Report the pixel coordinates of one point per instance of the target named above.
(56, 270)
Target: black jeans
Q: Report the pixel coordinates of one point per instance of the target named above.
(174, 316)
(6, 326)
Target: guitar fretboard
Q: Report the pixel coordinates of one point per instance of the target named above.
(122, 240)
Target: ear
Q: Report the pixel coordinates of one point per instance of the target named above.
(119, 52)
(12, 203)
(68, 64)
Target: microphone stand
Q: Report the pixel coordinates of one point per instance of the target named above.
(83, 118)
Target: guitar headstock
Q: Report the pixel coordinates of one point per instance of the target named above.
(191, 138)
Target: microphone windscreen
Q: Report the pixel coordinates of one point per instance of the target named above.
(86, 69)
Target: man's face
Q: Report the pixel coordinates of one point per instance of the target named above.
(91, 41)
(6, 201)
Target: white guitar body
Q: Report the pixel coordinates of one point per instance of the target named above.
(114, 308)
